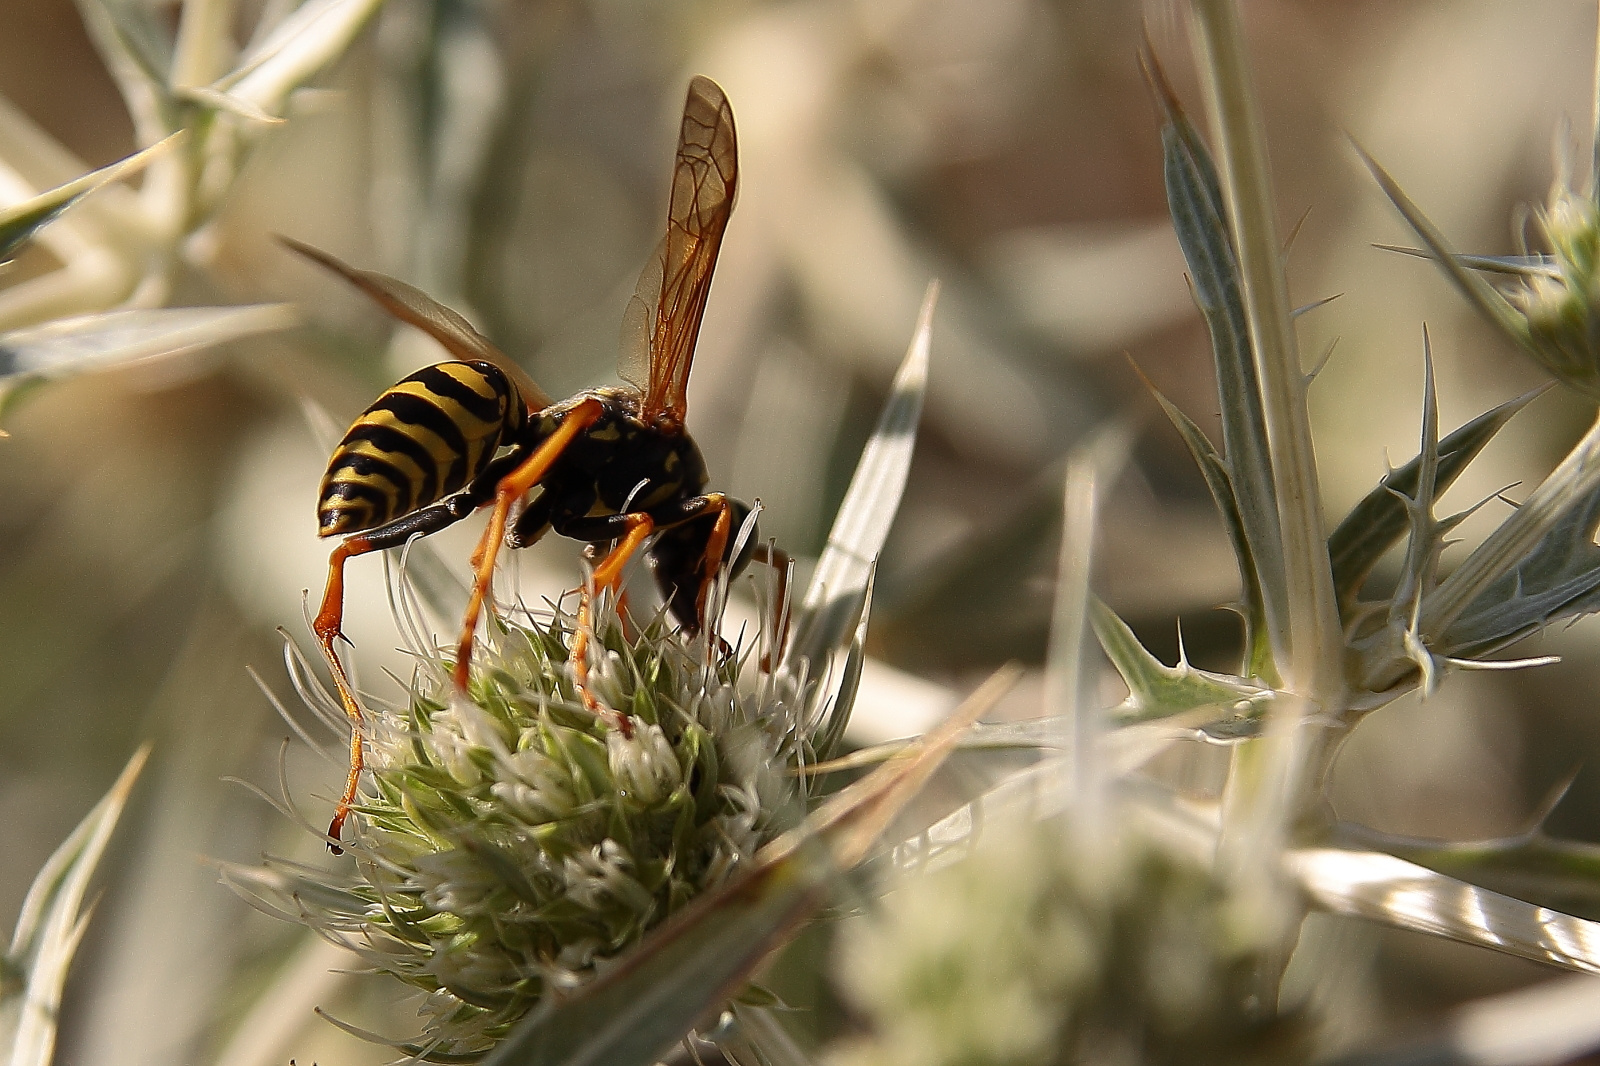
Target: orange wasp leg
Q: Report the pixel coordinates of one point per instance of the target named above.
(606, 576)
(512, 488)
(327, 626)
(716, 546)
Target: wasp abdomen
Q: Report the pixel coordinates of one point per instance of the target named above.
(422, 440)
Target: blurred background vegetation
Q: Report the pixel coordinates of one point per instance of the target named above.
(511, 158)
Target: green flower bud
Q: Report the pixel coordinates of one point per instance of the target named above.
(644, 765)
(1035, 951)
(1561, 306)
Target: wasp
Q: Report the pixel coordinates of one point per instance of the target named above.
(615, 466)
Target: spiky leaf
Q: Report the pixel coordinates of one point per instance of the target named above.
(1219, 480)
(1559, 579)
(1378, 521)
(1478, 292)
(1199, 216)
(298, 47)
(137, 50)
(19, 222)
(50, 927)
(1157, 691)
(1383, 888)
(834, 601)
(69, 346)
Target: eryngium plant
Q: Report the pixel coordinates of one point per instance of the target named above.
(512, 842)
(1040, 947)
(509, 844)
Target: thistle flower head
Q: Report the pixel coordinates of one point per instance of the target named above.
(1561, 305)
(510, 842)
(1033, 951)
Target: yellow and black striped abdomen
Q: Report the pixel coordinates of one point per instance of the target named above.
(423, 439)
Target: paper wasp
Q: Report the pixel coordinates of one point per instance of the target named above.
(614, 466)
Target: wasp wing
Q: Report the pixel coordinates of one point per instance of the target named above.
(663, 319)
(416, 308)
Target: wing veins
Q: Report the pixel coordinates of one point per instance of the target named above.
(704, 183)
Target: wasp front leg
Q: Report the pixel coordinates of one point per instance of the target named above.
(688, 557)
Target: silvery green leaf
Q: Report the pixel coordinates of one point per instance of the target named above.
(1553, 1021)
(50, 927)
(1478, 292)
(1390, 890)
(832, 607)
(1544, 519)
(1425, 542)
(1219, 480)
(19, 221)
(1157, 691)
(1214, 723)
(1241, 726)
(203, 45)
(1556, 873)
(110, 338)
(839, 699)
(137, 51)
(1378, 521)
(1558, 579)
(1199, 216)
(217, 100)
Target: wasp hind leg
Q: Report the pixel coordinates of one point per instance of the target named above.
(328, 625)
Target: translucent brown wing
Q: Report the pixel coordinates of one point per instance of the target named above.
(663, 318)
(416, 308)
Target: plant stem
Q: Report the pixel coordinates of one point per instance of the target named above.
(1273, 784)
(1314, 640)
